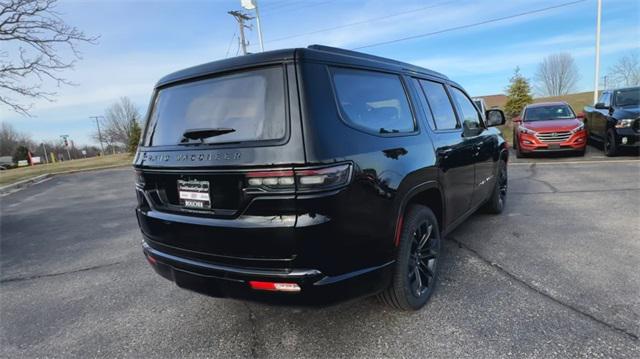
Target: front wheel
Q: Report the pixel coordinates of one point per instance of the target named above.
(610, 144)
(496, 202)
(416, 269)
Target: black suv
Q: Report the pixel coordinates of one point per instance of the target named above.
(309, 176)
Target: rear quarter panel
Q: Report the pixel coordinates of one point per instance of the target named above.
(385, 167)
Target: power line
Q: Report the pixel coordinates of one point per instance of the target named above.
(361, 22)
(279, 4)
(307, 5)
(468, 25)
(229, 46)
(271, 4)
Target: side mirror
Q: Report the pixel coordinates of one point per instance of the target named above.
(495, 117)
(601, 106)
(581, 115)
(516, 119)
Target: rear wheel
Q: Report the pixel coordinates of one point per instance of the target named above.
(610, 144)
(416, 269)
(496, 202)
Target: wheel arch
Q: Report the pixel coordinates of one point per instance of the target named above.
(429, 194)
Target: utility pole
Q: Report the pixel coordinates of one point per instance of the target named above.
(597, 75)
(253, 5)
(65, 141)
(241, 18)
(46, 159)
(99, 134)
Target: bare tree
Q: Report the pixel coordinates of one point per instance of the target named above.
(557, 75)
(36, 35)
(626, 72)
(10, 139)
(117, 124)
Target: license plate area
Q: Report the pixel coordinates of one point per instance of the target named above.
(194, 194)
(554, 146)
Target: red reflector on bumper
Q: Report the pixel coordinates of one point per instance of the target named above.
(151, 260)
(276, 287)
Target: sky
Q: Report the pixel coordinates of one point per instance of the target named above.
(141, 41)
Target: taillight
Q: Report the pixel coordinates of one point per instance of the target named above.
(271, 180)
(300, 180)
(323, 178)
(274, 287)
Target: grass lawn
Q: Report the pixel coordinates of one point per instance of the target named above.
(17, 174)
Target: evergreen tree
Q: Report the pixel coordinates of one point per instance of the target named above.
(518, 94)
(21, 153)
(134, 137)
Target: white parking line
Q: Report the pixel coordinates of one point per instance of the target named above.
(574, 162)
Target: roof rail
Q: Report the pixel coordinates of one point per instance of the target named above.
(363, 55)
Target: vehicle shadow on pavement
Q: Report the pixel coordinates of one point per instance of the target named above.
(476, 310)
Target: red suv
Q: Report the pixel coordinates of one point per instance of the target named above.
(549, 127)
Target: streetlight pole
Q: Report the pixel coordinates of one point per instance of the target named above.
(597, 75)
(253, 5)
(99, 134)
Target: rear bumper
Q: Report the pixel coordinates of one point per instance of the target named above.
(233, 282)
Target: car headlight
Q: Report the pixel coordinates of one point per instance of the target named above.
(578, 129)
(523, 129)
(625, 122)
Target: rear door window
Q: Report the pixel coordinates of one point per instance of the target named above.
(373, 101)
(240, 107)
(441, 107)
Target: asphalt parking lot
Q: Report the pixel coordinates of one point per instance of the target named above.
(556, 275)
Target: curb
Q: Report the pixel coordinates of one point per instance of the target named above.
(16, 186)
(23, 183)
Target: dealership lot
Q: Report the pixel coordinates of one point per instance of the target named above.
(555, 275)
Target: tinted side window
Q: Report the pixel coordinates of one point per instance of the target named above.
(443, 115)
(423, 101)
(469, 115)
(373, 101)
(607, 99)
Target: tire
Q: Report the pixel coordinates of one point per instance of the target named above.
(414, 278)
(610, 144)
(498, 198)
(582, 152)
(519, 153)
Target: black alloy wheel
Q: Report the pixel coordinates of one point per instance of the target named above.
(416, 270)
(423, 259)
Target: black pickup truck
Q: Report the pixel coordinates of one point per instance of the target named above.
(615, 119)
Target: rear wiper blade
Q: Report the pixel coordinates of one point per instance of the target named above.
(202, 133)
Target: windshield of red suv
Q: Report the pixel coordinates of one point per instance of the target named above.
(551, 112)
(239, 107)
(627, 97)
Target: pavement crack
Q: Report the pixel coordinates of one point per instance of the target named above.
(534, 172)
(39, 276)
(254, 331)
(542, 292)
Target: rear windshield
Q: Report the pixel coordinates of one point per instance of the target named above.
(551, 112)
(241, 107)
